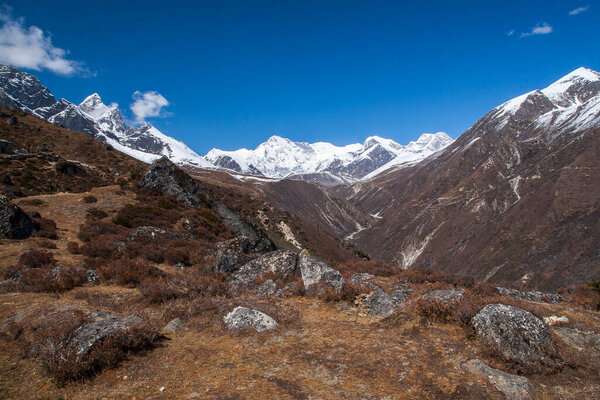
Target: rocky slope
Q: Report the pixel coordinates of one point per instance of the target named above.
(513, 200)
(20, 90)
(325, 163)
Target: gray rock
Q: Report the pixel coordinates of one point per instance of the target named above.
(515, 333)
(379, 304)
(102, 325)
(362, 279)
(281, 292)
(231, 255)
(260, 244)
(532, 295)
(399, 296)
(279, 262)
(92, 277)
(447, 296)
(174, 325)
(246, 318)
(148, 233)
(577, 339)
(513, 387)
(314, 271)
(267, 288)
(14, 223)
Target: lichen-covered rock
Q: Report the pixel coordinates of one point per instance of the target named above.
(379, 304)
(446, 296)
(314, 271)
(400, 296)
(149, 233)
(280, 263)
(246, 318)
(578, 339)
(362, 279)
(531, 295)
(174, 325)
(231, 255)
(101, 326)
(267, 288)
(513, 387)
(515, 333)
(14, 222)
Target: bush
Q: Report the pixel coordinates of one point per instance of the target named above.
(73, 248)
(90, 199)
(36, 259)
(51, 280)
(104, 246)
(88, 231)
(47, 228)
(46, 244)
(159, 290)
(95, 214)
(177, 255)
(435, 309)
(127, 272)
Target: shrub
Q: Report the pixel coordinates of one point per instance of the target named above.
(104, 246)
(127, 272)
(47, 228)
(47, 280)
(88, 231)
(90, 199)
(45, 244)
(73, 248)
(36, 259)
(177, 255)
(435, 309)
(159, 290)
(95, 214)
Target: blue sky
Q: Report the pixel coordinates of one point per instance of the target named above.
(236, 72)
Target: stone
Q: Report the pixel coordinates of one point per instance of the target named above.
(515, 333)
(446, 296)
(513, 387)
(578, 339)
(174, 325)
(314, 271)
(102, 325)
(379, 304)
(531, 295)
(556, 320)
(279, 262)
(267, 288)
(92, 277)
(246, 318)
(399, 296)
(149, 233)
(14, 222)
(362, 279)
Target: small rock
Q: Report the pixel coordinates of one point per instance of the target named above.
(314, 271)
(246, 318)
(362, 279)
(92, 277)
(576, 338)
(532, 295)
(447, 296)
(267, 288)
(514, 387)
(379, 304)
(14, 223)
(149, 233)
(516, 333)
(162, 389)
(174, 325)
(103, 325)
(555, 320)
(399, 296)
(179, 266)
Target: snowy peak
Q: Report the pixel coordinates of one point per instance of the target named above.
(94, 107)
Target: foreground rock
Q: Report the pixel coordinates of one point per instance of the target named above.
(446, 296)
(514, 387)
(174, 325)
(280, 263)
(246, 318)
(379, 304)
(362, 279)
(231, 254)
(400, 293)
(515, 333)
(578, 339)
(314, 271)
(102, 325)
(149, 233)
(532, 295)
(14, 223)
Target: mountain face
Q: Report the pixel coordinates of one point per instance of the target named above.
(514, 200)
(20, 90)
(323, 162)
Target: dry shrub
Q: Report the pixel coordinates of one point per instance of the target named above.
(176, 255)
(435, 309)
(209, 308)
(88, 231)
(190, 284)
(32, 202)
(421, 276)
(90, 199)
(73, 248)
(46, 244)
(127, 272)
(47, 228)
(326, 293)
(585, 296)
(160, 290)
(36, 259)
(95, 214)
(375, 267)
(104, 246)
(50, 280)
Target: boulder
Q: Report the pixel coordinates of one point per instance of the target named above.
(556, 320)
(267, 288)
(513, 387)
(400, 296)
(14, 222)
(279, 262)
(231, 255)
(515, 333)
(531, 295)
(174, 325)
(379, 304)
(101, 326)
(149, 233)
(578, 339)
(362, 279)
(446, 296)
(260, 243)
(314, 271)
(246, 318)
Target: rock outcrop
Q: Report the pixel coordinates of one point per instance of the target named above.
(446, 296)
(379, 303)
(515, 333)
(246, 318)
(14, 222)
(513, 387)
(280, 263)
(531, 295)
(314, 271)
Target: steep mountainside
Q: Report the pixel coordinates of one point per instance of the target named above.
(20, 90)
(325, 163)
(514, 200)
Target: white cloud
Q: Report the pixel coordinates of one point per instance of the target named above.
(539, 29)
(511, 32)
(579, 10)
(148, 104)
(30, 47)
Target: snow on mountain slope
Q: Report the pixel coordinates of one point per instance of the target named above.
(280, 157)
(92, 116)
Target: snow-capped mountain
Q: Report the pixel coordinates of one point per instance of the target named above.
(280, 157)
(92, 116)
